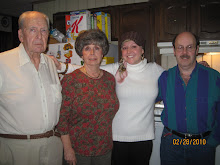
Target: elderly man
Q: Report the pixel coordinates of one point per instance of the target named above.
(191, 116)
(30, 98)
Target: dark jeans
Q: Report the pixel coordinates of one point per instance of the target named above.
(131, 153)
(178, 151)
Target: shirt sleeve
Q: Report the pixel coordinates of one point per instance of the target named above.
(160, 84)
(63, 124)
(214, 138)
(111, 68)
(1, 81)
(71, 68)
(159, 98)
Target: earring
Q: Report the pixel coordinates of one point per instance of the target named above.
(82, 61)
(142, 57)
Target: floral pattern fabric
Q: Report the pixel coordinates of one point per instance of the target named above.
(87, 111)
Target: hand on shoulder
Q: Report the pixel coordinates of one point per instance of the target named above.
(57, 63)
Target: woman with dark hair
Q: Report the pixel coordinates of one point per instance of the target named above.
(89, 105)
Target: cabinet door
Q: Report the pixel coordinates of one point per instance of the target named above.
(59, 21)
(209, 22)
(136, 17)
(174, 17)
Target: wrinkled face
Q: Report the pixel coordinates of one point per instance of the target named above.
(186, 50)
(131, 52)
(92, 55)
(34, 34)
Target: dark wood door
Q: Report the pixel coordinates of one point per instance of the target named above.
(209, 19)
(59, 21)
(174, 17)
(137, 17)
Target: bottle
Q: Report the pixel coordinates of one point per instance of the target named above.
(58, 35)
(58, 53)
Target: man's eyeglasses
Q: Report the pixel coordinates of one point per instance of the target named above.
(188, 48)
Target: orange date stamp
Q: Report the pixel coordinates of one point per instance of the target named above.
(195, 142)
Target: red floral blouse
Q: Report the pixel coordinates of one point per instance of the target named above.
(87, 111)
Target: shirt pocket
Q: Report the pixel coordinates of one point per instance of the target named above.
(56, 93)
(210, 99)
(202, 99)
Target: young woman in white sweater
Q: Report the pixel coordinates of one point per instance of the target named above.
(133, 124)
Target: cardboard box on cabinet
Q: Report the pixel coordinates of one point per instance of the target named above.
(79, 21)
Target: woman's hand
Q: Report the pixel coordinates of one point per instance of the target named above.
(57, 63)
(69, 156)
(204, 63)
(121, 73)
(69, 153)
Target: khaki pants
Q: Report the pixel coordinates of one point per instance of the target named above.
(44, 151)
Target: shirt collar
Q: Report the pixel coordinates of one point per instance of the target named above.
(24, 58)
(137, 67)
(194, 70)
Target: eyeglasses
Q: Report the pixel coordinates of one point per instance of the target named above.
(188, 48)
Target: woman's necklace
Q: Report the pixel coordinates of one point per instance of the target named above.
(92, 76)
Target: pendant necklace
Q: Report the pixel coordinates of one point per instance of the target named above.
(92, 76)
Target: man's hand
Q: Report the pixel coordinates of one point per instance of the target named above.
(57, 63)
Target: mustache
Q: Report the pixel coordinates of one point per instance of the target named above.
(185, 56)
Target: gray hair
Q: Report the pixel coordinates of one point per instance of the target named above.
(24, 15)
(92, 36)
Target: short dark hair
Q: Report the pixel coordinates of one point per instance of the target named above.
(134, 36)
(92, 36)
(195, 36)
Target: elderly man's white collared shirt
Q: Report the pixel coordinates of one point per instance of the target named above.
(29, 99)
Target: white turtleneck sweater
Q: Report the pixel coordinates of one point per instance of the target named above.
(134, 120)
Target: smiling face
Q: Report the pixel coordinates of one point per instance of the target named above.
(34, 34)
(131, 52)
(92, 55)
(186, 50)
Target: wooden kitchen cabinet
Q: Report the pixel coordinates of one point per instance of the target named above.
(59, 21)
(172, 17)
(201, 17)
(208, 19)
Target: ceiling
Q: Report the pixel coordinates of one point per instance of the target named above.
(16, 7)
